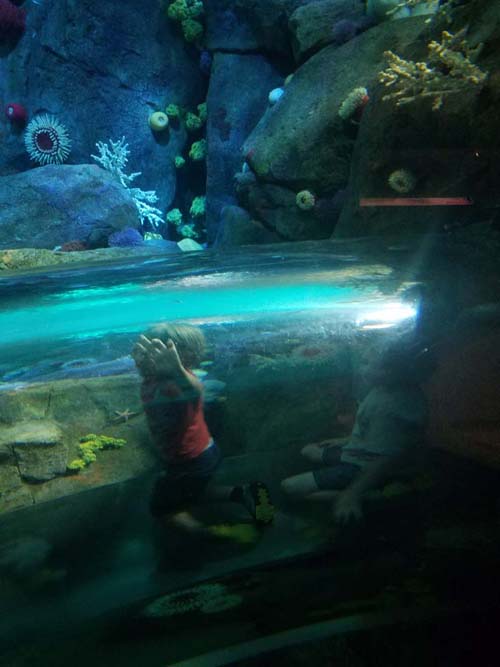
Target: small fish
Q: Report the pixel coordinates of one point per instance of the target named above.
(77, 368)
(214, 390)
(310, 352)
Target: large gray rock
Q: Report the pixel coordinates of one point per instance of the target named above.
(275, 206)
(237, 98)
(249, 25)
(25, 259)
(302, 142)
(451, 153)
(14, 493)
(38, 449)
(41, 429)
(48, 206)
(313, 25)
(101, 68)
(237, 228)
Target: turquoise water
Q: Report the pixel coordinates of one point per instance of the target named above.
(130, 308)
(59, 316)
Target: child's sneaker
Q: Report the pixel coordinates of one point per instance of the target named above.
(241, 533)
(258, 502)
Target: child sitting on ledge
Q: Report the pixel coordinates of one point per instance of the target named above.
(389, 426)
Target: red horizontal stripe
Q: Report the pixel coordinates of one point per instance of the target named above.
(415, 201)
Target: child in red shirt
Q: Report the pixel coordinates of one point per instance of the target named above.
(172, 397)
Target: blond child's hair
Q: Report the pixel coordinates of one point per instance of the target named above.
(188, 339)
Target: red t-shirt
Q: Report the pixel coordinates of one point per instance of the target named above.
(177, 423)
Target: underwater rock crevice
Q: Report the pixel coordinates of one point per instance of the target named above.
(239, 52)
(49, 401)
(91, 70)
(21, 481)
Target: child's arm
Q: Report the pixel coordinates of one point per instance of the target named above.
(161, 361)
(349, 503)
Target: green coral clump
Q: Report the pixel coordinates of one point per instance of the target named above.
(152, 236)
(76, 465)
(89, 445)
(173, 111)
(180, 10)
(188, 231)
(179, 161)
(196, 121)
(193, 122)
(198, 207)
(174, 217)
(202, 112)
(198, 150)
(186, 12)
(192, 30)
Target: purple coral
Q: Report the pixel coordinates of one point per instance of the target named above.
(345, 29)
(125, 238)
(205, 62)
(12, 19)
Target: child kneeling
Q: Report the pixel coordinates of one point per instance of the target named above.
(172, 398)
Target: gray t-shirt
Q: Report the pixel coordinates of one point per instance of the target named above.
(389, 421)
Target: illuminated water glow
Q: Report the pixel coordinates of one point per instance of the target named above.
(94, 312)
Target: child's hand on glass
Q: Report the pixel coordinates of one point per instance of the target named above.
(154, 357)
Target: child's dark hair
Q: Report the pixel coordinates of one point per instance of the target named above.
(407, 361)
(188, 339)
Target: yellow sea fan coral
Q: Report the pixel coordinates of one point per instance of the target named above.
(450, 69)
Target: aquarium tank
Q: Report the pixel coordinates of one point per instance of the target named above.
(249, 333)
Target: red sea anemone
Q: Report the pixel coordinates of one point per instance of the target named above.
(12, 19)
(74, 246)
(16, 113)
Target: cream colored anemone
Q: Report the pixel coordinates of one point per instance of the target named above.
(402, 181)
(46, 140)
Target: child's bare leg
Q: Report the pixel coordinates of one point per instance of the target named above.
(300, 486)
(304, 486)
(219, 491)
(323, 496)
(185, 521)
(315, 452)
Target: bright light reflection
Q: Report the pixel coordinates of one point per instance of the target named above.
(386, 316)
(211, 280)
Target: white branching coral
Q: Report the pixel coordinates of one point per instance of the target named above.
(450, 69)
(416, 7)
(46, 140)
(114, 159)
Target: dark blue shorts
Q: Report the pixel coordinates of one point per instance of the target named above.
(337, 477)
(183, 484)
